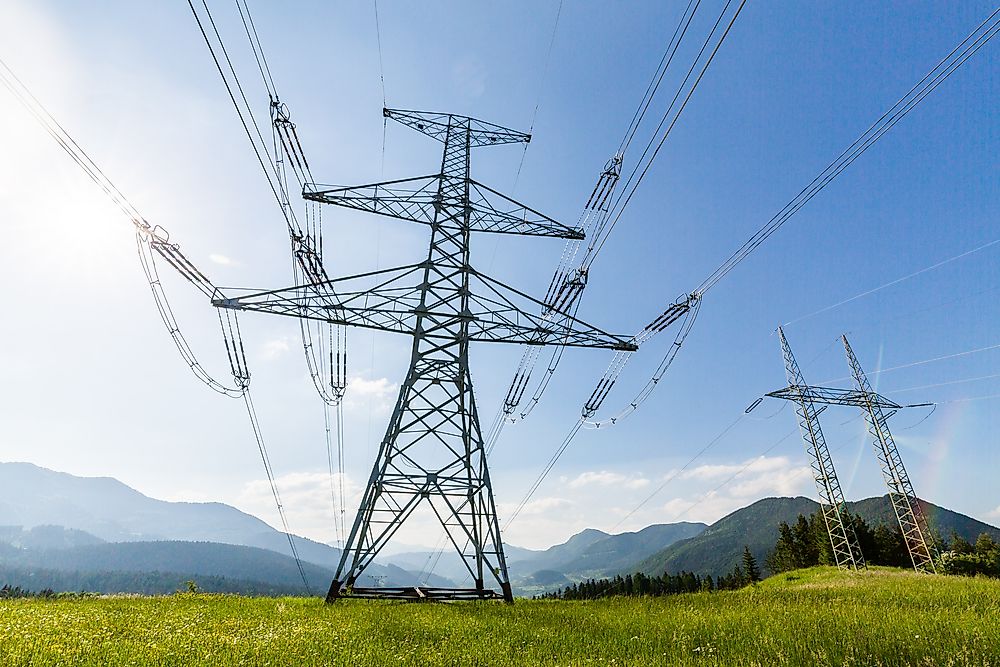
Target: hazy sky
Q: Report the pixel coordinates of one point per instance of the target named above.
(92, 384)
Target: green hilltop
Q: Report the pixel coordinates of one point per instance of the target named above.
(718, 549)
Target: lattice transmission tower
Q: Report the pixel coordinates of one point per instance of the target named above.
(846, 550)
(904, 501)
(432, 452)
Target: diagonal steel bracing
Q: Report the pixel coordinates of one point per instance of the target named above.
(432, 454)
(904, 500)
(846, 550)
(877, 410)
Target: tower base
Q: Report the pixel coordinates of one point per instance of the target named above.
(418, 593)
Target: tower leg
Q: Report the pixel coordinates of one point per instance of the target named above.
(904, 500)
(846, 550)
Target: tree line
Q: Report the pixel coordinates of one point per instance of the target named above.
(640, 584)
(807, 543)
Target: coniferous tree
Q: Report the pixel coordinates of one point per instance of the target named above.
(750, 569)
(784, 556)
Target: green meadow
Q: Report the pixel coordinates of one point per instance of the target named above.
(817, 616)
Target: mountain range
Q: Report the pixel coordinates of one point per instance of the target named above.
(719, 548)
(60, 522)
(74, 533)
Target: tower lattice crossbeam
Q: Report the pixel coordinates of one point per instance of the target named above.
(846, 550)
(432, 453)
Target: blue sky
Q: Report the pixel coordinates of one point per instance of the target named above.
(93, 386)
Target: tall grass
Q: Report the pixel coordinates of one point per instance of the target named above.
(810, 617)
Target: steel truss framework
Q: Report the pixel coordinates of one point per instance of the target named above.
(877, 410)
(432, 453)
(846, 550)
(904, 500)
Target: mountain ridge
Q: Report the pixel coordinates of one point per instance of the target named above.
(718, 549)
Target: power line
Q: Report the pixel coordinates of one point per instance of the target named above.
(923, 362)
(969, 46)
(258, 49)
(937, 75)
(265, 459)
(892, 283)
(688, 310)
(545, 68)
(538, 98)
(625, 197)
(945, 384)
(381, 67)
(658, 74)
(711, 443)
(151, 238)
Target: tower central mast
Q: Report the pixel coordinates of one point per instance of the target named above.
(433, 453)
(433, 447)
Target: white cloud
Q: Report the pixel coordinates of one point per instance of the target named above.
(761, 464)
(607, 478)
(378, 394)
(995, 514)
(535, 507)
(379, 388)
(307, 498)
(221, 259)
(274, 349)
(785, 482)
(753, 479)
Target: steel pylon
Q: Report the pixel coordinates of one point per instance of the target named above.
(432, 453)
(846, 550)
(904, 501)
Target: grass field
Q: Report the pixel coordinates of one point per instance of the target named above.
(810, 617)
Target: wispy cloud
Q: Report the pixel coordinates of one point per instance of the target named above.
(607, 478)
(377, 393)
(221, 260)
(274, 349)
(376, 388)
(307, 498)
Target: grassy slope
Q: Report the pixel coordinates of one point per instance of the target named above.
(812, 617)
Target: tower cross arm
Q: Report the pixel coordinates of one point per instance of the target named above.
(833, 396)
(496, 312)
(435, 125)
(418, 200)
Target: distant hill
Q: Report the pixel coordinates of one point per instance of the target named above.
(32, 496)
(593, 553)
(940, 520)
(46, 537)
(143, 583)
(589, 553)
(617, 551)
(553, 557)
(719, 548)
(42, 509)
(229, 566)
(194, 558)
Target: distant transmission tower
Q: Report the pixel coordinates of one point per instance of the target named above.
(846, 550)
(904, 500)
(433, 451)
